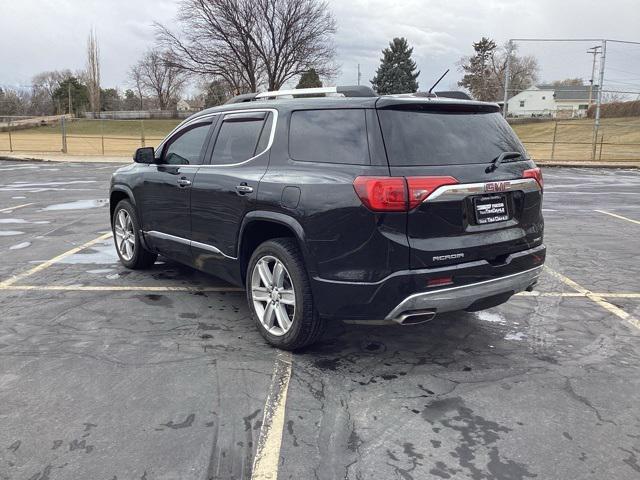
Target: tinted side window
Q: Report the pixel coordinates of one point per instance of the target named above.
(237, 141)
(329, 136)
(186, 147)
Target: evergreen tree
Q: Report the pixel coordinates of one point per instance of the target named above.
(397, 72)
(309, 79)
(79, 95)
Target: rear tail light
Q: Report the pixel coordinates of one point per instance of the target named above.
(397, 194)
(382, 194)
(421, 187)
(535, 173)
(439, 281)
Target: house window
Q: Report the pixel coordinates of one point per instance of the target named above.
(544, 98)
(583, 107)
(521, 103)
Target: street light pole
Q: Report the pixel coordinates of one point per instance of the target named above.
(507, 72)
(596, 123)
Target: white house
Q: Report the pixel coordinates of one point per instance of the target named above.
(566, 101)
(183, 106)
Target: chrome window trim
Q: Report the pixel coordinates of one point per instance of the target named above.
(209, 115)
(459, 191)
(186, 241)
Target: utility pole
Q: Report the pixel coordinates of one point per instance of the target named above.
(593, 50)
(596, 123)
(359, 74)
(507, 73)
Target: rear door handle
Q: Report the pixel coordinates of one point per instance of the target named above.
(183, 182)
(244, 189)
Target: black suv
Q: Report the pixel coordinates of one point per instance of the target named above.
(355, 207)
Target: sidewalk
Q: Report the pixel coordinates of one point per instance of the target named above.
(61, 157)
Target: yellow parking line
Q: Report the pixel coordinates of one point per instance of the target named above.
(48, 263)
(618, 216)
(617, 311)
(15, 208)
(118, 288)
(267, 459)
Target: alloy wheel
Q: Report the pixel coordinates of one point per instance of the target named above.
(125, 235)
(273, 295)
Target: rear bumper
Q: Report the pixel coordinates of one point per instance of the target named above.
(476, 285)
(466, 296)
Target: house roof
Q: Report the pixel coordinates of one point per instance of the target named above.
(570, 92)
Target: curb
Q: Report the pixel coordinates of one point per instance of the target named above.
(66, 159)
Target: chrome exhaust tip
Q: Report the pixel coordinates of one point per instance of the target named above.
(415, 317)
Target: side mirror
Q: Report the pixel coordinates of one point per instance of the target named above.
(144, 155)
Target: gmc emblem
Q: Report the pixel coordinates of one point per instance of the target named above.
(497, 186)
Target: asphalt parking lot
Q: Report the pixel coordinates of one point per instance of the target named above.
(111, 374)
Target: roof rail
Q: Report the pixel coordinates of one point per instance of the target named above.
(245, 97)
(345, 90)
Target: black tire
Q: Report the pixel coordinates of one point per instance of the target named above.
(306, 327)
(142, 258)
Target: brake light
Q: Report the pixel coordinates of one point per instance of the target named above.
(421, 187)
(382, 194)
(397, 194)
(534, 173)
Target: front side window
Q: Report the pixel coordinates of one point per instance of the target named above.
(238, 138)
(329, 136)
(186, 147)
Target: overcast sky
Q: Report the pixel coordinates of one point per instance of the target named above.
(39, 35)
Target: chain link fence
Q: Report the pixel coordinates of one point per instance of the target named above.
(618, 139)
(86, 136)
(546, 139)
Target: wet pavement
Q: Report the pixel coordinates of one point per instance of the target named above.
(107, 373)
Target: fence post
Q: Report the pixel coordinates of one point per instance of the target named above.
(142, 132)
(63, 126)
(553, 144)
(9, 130)
(102, 133)
(601, 145)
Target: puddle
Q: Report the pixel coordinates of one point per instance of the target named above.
(491, 317)
(18, 198)
(8, 233)
(517, 336)
(77, 205)
(100, 270)
(19, 246)
(21, 220)
(101, 254)
(13, 220)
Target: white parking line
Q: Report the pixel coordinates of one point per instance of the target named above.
(48, 263)
(617, 311)
(618, 216)
(10, 209)
(267, 459)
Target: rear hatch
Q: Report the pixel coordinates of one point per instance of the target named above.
(466, 203)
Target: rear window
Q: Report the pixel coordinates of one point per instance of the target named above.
(445, 138)
(329, 136)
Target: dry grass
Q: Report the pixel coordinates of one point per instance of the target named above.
(618, 139)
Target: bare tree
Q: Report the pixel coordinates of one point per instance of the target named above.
(48, 82)
(93, 71)
(249, 43)
(157, 74)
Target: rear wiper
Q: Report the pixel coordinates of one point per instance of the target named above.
(498, 160)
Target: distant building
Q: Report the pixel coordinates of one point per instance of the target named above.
(566, 101)
(183, 106)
